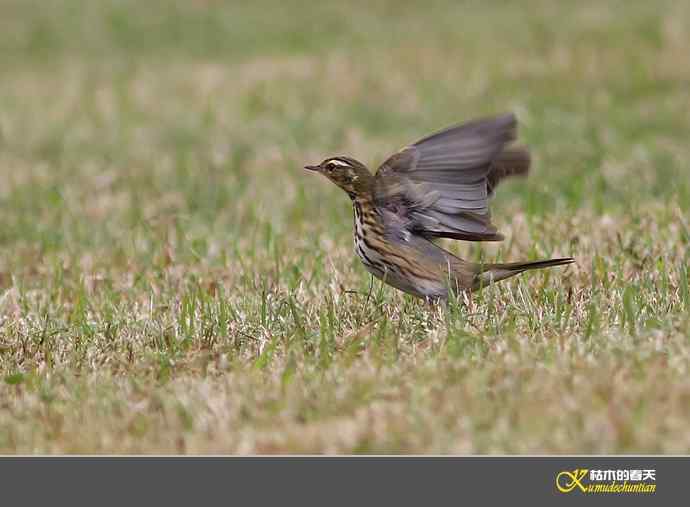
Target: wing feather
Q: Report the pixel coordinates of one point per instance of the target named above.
(440, 186)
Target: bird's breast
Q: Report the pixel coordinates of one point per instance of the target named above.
(368, 238)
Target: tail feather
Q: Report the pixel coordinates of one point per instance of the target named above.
(490, 273)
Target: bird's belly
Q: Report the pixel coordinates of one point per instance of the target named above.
(389, 272)
(371, 258)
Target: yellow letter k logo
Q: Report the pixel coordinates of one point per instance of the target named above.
(566, 481)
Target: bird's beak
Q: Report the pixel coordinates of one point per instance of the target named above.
(311, 167)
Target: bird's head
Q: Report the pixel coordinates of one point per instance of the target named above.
(349, 174)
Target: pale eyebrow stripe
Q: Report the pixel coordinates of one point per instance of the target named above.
(339, 162)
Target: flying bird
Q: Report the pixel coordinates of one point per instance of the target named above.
(438, 187)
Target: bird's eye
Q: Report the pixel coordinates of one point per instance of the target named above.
(330, 166)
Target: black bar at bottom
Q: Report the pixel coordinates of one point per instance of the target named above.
(345, 480)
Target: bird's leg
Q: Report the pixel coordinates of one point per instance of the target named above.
(457, 303)
(358, 293)
(371, 286)
(366, 301)
(434, 302)
(435, 306)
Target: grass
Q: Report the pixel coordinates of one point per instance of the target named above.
(171, 281)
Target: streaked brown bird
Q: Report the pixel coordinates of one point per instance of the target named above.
(439, 187)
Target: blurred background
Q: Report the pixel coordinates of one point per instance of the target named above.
(124, 110)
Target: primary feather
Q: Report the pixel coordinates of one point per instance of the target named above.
(443, 182)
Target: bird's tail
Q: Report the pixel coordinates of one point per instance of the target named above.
(489, 273)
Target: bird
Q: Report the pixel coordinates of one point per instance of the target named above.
(438, 187)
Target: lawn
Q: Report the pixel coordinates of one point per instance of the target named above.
(172, 280)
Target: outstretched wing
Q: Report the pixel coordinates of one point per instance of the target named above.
(440, 186)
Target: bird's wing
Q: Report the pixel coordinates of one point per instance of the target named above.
(440, 186)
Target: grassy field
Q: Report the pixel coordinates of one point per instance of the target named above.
(172, 281)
